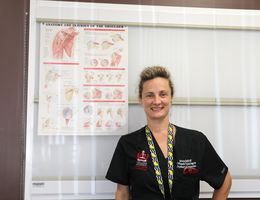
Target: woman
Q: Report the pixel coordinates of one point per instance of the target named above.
(162, 160)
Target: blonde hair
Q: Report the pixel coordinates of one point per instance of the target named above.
(152, 72)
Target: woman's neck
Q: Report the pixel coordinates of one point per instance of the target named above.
(158, 126)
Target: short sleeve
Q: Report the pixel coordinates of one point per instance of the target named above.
(118, 169)
(214, 169)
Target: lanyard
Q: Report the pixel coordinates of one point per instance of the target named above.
(155, 158)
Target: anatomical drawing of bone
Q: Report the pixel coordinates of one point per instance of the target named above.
(109, 77)
(120, 112)
(94, 62)
(64, 42)
(117, 94)
(119, 77)
(89, 77)
(106, 45)
(117, 38)
(87, 95)
(104, 62)
(48, 100)
(108, 95)
(46, 123)
(120, 117)
(100, 77)
(67, 114)
(70, 91)
(110, 112)
(92, 44)
(100, 112)
(88, 110)
(50, 77)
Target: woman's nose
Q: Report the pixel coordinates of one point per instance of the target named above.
(157, 99)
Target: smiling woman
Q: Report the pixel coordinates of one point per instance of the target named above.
(156, 93)
(162, 160)
(156, 99)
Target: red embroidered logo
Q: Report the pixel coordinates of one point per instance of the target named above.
(142, 156)
(190, 170)
(141, 160)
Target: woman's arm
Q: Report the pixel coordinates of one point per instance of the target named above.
(223, 191)
(122, 192)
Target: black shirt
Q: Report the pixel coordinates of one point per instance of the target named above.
(194, 159)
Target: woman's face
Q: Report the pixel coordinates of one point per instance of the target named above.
(156, 98)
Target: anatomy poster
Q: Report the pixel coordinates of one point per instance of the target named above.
(83, 79)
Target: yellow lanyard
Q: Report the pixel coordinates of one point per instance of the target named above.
(155, 158)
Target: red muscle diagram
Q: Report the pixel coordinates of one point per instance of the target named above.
(115, 59)
(63, 41)
(83, 79)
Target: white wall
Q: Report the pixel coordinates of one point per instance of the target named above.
(216, 62)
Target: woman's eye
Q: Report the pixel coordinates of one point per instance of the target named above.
(163, 94)
(149, 95)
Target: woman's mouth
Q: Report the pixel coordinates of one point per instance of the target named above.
(156, 108)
